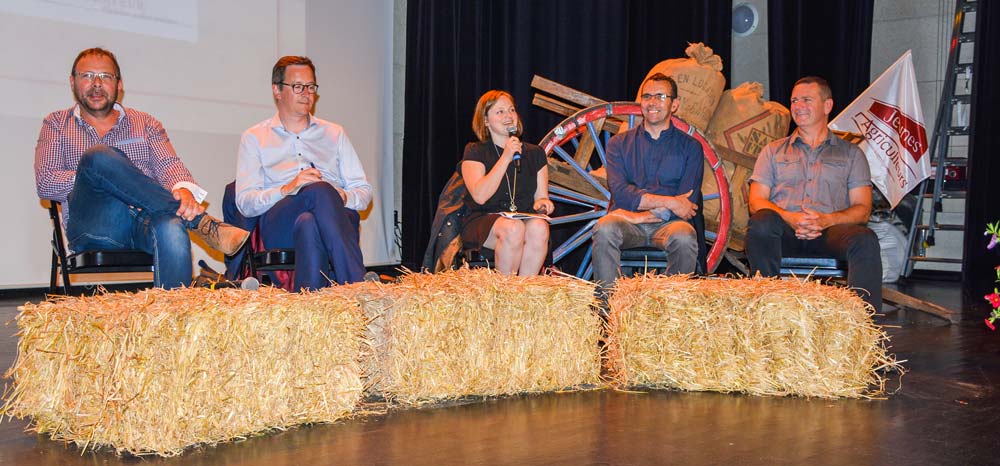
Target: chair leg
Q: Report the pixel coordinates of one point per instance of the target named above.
(53, 272)
(66, 283)
(65, 277)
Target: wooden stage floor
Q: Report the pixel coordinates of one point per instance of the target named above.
(946, 412)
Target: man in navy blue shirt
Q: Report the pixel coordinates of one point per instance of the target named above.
(654, 175)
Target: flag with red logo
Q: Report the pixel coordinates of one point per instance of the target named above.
(889, 118)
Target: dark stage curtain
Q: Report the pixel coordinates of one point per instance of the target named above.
(816, 38)
(982, 207)
(458, 49)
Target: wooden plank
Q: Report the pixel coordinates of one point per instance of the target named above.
(738, 158)
(563, 175)
(586, 149)
(554, 105)
(565, 92)
(902, 299)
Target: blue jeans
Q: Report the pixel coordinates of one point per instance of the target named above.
(114, 205)
(323, 233)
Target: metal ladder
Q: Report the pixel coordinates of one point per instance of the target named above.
(952, 120)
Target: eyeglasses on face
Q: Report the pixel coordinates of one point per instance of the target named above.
(298, 88)
(658, 96)
(91, 76)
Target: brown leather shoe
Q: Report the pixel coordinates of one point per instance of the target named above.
(221, 236)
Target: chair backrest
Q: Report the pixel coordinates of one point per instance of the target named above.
(252, 259)
(814, 266)
(65, 263)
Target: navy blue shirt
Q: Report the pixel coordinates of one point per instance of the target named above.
(670, 165)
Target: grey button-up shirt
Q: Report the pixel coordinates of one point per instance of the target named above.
(819, 178)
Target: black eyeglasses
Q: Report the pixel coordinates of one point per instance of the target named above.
(298, 88)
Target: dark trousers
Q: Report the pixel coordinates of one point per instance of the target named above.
(769, 238)
(323, 233)
(237, 264)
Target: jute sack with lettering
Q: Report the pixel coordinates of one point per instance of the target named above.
(745, 122)
(699, 83)
(742, 125)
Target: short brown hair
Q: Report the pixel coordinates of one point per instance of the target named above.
(661, 77)
(278, 72)
(824, 87)
(99, 52)
(484, 105)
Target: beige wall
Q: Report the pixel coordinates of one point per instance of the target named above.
(206, 90)
(749, 59)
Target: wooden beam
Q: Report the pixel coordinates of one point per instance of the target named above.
(738, 158)
(905, 300)
(565, 92)
(562, 174)
(586, 148)
(554, 105)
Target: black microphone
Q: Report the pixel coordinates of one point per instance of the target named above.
(512, 131)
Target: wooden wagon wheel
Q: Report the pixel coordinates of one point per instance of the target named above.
(572, 182)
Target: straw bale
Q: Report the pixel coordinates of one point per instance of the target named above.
(758, 336)
(373, 299)
(478, 333)
(157, 371)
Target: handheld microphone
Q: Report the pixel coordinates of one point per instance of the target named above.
(512, 131)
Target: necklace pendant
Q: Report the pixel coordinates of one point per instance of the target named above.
(513, 207)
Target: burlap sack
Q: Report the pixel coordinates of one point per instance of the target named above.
(745, 123)
(742, 125)
(699, 83)
(735, 166)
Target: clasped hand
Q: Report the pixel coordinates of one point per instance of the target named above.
(809, 224)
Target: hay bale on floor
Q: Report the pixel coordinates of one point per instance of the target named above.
(157, 371)
(478, 333)
(758, 336)
(373, 299)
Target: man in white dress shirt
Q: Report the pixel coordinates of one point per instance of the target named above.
(301, 175)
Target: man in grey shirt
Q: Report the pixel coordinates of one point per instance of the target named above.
(810, 194)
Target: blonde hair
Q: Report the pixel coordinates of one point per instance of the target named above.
(484, 105)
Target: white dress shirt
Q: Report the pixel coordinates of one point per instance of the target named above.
(270, 156)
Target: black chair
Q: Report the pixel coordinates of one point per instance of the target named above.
(95, 261)
(485, 257)
(252, 260)
(815, 266)
(475, 258)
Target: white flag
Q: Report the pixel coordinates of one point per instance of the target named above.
(889, 117)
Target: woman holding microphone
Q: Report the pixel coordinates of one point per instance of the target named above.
(504, 177)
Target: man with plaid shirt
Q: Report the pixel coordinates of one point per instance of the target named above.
(121, 184)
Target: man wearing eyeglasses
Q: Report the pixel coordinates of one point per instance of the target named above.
(654, 175)
(301, 175)
(118, 178)
(811, 194)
